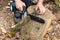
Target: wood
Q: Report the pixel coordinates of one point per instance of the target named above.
(32, 10)
(18, 26)
(36, 31)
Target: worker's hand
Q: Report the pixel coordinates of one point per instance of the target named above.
(41, 8)
(19, 5)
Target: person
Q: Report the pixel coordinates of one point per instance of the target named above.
(20, 3)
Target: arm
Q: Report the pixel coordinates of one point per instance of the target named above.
(40, 1)
(17, 0)
(19, 4)
(40, 6)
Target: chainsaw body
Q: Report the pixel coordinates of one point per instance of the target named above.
(18, 15)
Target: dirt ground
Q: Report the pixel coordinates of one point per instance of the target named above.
(5, 16)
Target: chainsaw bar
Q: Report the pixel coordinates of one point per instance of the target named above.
(37, 19)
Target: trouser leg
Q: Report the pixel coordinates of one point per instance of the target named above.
(28, 2)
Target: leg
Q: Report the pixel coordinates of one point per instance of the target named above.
(28, 2)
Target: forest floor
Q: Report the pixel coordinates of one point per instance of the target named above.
(5, 16)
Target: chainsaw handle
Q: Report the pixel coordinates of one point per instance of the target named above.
(24, 9)
(13, 7)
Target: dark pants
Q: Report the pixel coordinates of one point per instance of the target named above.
(28, 2)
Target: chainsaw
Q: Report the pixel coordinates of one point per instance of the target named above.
(18, 15)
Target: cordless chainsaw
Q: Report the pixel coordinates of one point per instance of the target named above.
(19, 14)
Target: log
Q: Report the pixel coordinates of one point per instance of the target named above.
(32, 10)
(34, 30)
(18, 26)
